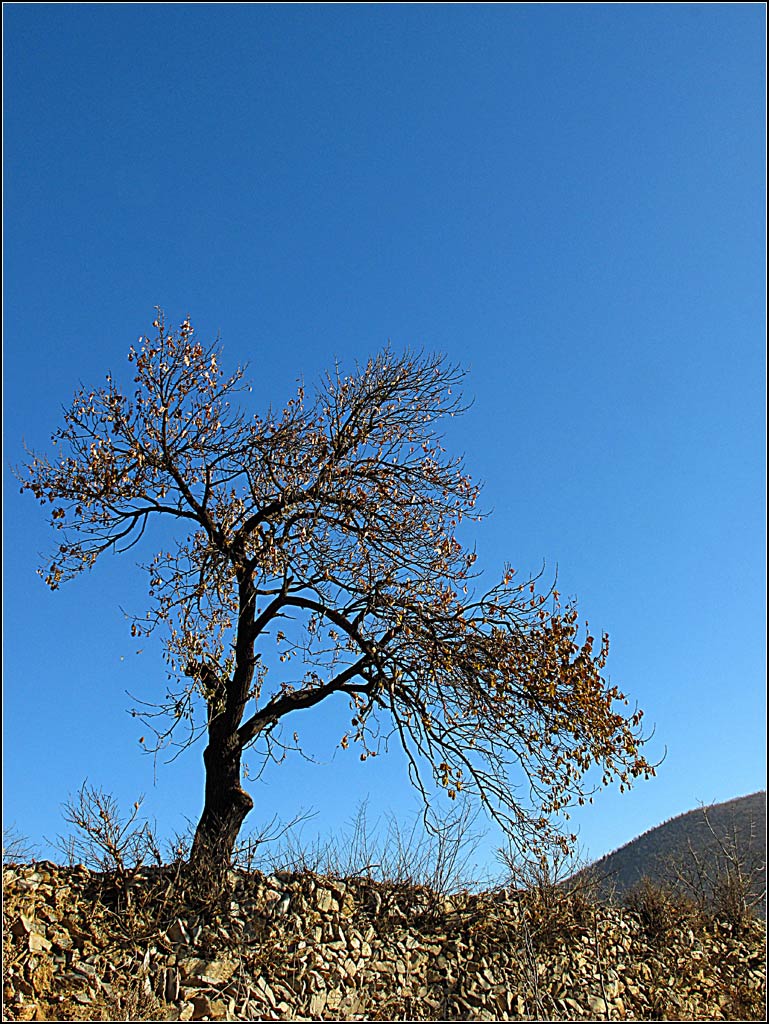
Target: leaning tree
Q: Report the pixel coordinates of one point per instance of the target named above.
(317, 555)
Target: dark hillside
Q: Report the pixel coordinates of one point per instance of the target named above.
(703, 843)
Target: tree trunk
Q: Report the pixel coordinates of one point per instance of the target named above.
(226, 806)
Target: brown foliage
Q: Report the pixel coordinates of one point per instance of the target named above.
(325, 537)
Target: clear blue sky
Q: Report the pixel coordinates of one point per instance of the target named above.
(566, 199)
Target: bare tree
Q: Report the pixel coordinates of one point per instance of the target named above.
(327, 533)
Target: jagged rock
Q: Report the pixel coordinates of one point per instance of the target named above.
(324, 900)
(171, 984)
(27, 1011)
(317, 1004)
(205, 1006)
(177, 932)
(22, 926)
(597, 1004)
(206, 972)
(38, 943)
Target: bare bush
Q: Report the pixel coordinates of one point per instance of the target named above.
(17, 849)
(658, 907)
(726, 879)
(248, 853)
(106, 840)
(557, 894)
(436, 857)
(135, 1001)
(179, 845)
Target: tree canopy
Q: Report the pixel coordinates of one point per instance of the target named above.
(317, 552)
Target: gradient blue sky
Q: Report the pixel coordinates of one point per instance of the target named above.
(569, 200)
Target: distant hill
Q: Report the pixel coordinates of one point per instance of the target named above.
(700, 842)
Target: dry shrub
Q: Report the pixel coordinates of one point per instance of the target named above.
(434, 856)
(135, 1001)
(659, 908)
(105, 839)
(17, 849)
(558, 899)
(725, 880)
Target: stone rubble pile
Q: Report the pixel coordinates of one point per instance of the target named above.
(305, 947)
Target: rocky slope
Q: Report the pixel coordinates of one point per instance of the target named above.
(80, 946)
